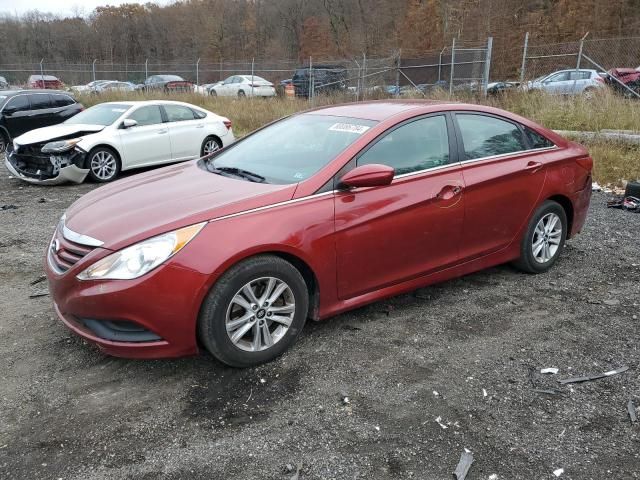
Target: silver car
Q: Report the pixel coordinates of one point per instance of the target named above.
(568, 82)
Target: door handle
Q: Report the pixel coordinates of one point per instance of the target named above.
(200, 126)
(533, 166)
(448, 192)
(160, 132)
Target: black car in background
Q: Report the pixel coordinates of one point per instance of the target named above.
(24, 110)
(168, 83)
(325, 79)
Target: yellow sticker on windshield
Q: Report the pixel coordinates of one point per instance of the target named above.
(348, 128)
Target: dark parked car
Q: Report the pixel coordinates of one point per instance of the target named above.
(499, 88)
(3, 83)
(619, 78)
(24, 110)
(168, 83)
(325, 79)
(45, 81)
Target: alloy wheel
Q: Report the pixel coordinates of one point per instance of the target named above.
(103, 165)
(260, 314)
(546, 238)
(210, 146)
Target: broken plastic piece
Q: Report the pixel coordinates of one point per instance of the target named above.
(551, 371)
(558, 472)
(466, 459)
(594, 377)
(631, 408)
(550, 391)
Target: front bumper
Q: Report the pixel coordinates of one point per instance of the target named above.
(70, 173)
(164, 304)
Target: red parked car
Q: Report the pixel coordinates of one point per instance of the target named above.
(45, 82)
(315, 214)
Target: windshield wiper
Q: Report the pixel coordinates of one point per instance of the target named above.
(238, 172)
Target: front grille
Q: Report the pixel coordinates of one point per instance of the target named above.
(64, 254)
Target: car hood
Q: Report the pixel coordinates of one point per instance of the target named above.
(55, 132)
(162, 200)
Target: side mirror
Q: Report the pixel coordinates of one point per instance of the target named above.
(373, 175)
(9, 110)
(128, 123)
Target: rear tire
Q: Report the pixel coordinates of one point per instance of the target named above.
(544, 239)
(243, 328)
(4, 142)
(241, 94)
(210, 145)
(103, 164)
(213, 93)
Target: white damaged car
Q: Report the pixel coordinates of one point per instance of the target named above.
(108, 138)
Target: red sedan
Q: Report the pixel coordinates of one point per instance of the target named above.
(310, 216)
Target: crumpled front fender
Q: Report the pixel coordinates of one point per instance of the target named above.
(70, 173)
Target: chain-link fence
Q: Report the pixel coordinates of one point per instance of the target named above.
(620, 57)
(456, 67)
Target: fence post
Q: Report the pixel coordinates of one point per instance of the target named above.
(364, 75)
(311, 86)
(198, 72)
(252, 70)
(146, 68)
(42, 73)
(524, 57)
(580, 50)
(440, 64)
(487, 66)
(93, 68)
(453, 61)
(398, 66)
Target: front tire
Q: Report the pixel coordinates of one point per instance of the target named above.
(213, 93)
(104, 164)
(210, 145)
(254, 312)
(241, 94)
(544, 239)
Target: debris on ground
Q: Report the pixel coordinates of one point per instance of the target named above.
(351, 328)
(466, 459)
(439, 422)
(595, 187)
(558, 472)
(8, 207)
(551, 371)
(41, 278)
(549, 391)
(344, 398)
(631, 408)
(296, 476)
(629, 203)
(588, 378)
(42, 200)
(39, 294)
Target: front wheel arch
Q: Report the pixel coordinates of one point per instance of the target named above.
(106, 146)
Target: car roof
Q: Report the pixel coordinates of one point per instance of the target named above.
(378, 110)
(149, 102)
(9, 93)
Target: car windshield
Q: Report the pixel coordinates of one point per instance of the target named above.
(171, 78)
(104, 114)
(292, 149)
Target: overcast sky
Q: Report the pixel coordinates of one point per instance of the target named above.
(60, 7)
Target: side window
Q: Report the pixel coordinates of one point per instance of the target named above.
(39, 101)
(415, 146)
(485, 136)
(58, 100)
(177, 113)
(19, 103)
(536, 140)
(228, 80)
(559, 77)
(237, 79)
(579, 75)
(147, 115)
(198, 114)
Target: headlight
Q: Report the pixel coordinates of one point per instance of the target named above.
(60, 145)
(136, 260)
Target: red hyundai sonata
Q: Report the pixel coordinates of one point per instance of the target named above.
(315, 214)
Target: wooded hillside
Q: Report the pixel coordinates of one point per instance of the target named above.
(217, 30)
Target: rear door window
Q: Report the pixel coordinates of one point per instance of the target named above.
(40, 101)
(19, 103)
(58, 100)
(485, 136)
(536, 140)
(559, 77)
(178, 113)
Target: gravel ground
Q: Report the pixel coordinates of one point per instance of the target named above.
(467, 352)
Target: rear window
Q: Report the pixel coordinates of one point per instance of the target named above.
(178, 113)
(59, 100)
(39, 102)
(103, 114)
(536, 140)
(485, 136)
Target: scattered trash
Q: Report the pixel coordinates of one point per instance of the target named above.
(377, 428)
(263, 381)
(493, 476)
(558, 472)
(8, 207)
(632, 189)
(42, 200)
(631, 408)
(484, 392)
(350, 328)
(288, 468)
(436, 394)
(466, 459)
(439, 422)
(629, 203)
(296, 476)
(593, 377)
(551, 371)
(41, 278)
(344, 398)
(595, 187)
(38, 294)
(612, 302)
(549, 391)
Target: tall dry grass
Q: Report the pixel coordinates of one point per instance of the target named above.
(614, 162)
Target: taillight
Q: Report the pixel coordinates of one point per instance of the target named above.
(599, 79)
(227, 123)
(586, 163)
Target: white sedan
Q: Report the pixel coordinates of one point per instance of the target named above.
(108, 138)
(244, 86)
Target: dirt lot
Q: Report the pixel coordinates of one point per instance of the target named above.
(67, 411)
